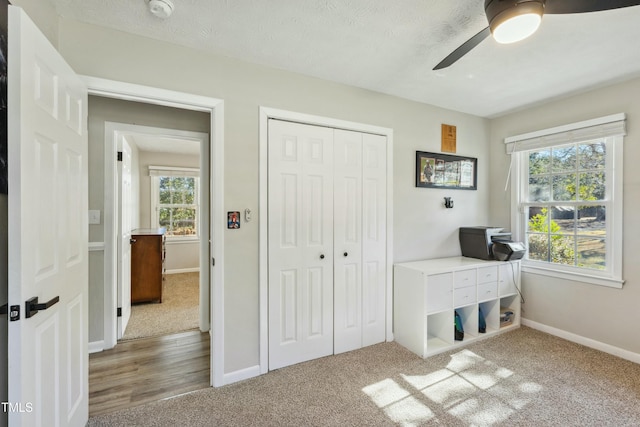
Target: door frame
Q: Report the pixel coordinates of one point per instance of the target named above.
(215, 107)
(267, 113)
(116, 130)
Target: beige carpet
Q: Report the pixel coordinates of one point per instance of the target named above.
(177, 312)
(521, 378)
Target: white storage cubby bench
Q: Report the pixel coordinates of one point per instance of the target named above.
(427, 293)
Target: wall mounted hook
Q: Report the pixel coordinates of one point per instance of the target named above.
(448, 203)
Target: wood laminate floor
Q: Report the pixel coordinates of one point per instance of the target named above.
(148, 369)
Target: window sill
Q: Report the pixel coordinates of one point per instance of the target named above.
(576, 277)
(181, 240)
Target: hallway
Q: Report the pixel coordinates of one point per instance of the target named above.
(148, 369)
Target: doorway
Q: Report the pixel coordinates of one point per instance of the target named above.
(159, 189)
(213, 222)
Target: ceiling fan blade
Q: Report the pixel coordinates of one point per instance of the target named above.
(463, 49)
(554, 7)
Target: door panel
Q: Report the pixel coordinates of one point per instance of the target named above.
(350, 283)
(45, 165)
(48, 231)
(313, 302)
(348, 240)
(75, 355)
(374, 237)
(289, 312)
(74, 202)
(124, 235)
(300, 243)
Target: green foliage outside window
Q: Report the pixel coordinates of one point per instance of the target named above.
(549, 245)
(177, 208)
(562, 229)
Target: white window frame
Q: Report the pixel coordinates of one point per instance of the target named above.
(155, 172)
(612, 130)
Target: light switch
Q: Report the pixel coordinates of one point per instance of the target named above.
(94, 217)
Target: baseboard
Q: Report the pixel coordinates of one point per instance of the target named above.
(96, 246)
(242, 374)
(96, 346)
(588, 342)
(183, 270)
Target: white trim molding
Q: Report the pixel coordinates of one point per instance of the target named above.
(610, 130)
(96, 246)
(587, 342)
(242, 374)
(212, 279)
(182, 270)
(96, 346)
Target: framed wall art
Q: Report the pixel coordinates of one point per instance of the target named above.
(436, 170)
(233, 219)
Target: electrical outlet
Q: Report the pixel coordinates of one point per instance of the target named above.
(94, 217)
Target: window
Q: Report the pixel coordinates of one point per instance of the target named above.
(175, 201)
(568, 200)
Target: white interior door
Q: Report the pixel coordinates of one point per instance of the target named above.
(374, 238)
(347, 240)
(124, 235)
(300, 235)
(359, 239)
(48, 231)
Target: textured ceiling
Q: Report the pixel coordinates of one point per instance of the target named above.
(391, 46)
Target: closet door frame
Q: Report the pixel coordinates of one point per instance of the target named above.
(267, 113)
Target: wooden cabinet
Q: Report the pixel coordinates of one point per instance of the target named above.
(147, 264)
(428, 293)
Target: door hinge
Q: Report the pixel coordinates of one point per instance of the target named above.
(213, 262)
(119, 312)
(119, 156)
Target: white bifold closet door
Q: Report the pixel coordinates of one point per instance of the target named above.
(327, 241)
(300, 210)
(359, 229)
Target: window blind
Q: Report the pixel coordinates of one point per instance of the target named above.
(603, 127)
(173, 171)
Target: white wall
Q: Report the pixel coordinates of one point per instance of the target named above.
(43, 14)
(606, 315)
(423, 227)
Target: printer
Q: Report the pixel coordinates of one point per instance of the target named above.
(507, 250)
(489, 243)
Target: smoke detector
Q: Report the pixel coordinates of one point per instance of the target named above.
(161, 8)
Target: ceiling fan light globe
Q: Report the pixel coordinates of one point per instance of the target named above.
(516, 28)
(513, 20)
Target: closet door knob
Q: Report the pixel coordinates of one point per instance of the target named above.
(346, 253)
(321, 256)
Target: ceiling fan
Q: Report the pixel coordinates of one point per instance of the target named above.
(514, 20)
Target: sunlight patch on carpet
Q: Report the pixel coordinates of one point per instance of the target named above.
(470, 388)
